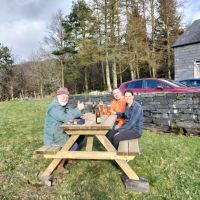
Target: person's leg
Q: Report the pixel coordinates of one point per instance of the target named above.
(61, 167)
(48, 138)
(80, 141)
(125, 135)
(110, 134)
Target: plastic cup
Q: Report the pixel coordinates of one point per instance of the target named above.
(108, 109)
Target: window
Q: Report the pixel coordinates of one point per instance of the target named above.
(134, 84)
(195, 83)
(187, 83)
(154, 84)
(197, 62)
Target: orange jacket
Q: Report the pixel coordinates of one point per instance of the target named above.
(119, 106)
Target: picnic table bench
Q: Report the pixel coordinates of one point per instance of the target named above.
(90, 129)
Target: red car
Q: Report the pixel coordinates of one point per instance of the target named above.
(146, 85)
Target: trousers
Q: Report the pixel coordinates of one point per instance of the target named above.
(122, 135)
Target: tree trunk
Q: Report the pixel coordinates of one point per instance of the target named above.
(103, 75)
(114, 73)
(120, 73)
(168, 56)
(132, 71)
(41, 91)
(137, 68)
(106, 49)
(11, 91)
(108, 74)
(62, 73)
(86, 79)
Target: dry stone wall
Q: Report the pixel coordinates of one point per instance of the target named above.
(166, 112)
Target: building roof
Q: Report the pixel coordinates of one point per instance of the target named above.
(190, 36)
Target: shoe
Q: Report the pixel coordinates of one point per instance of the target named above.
(62, 170)
(70, 161)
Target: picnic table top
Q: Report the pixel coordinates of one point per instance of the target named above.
(107, 122)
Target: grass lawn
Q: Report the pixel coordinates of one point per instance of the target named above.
(171, 163)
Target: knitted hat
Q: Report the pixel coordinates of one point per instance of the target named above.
(62, 90)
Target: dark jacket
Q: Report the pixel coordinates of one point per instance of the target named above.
(133, 116)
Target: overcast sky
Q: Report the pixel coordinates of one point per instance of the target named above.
(23, 23)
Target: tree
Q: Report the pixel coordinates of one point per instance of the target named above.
(6, 73)
(167, 29)
(55, 40)
(80, 20)
(6, 59)
(135, 37)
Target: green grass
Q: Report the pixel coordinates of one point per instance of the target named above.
(170, 163)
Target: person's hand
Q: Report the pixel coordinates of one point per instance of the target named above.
(113, 112)
(84, 116)
(117, 127)
(80, 106)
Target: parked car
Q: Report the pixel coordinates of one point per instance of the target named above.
(147, 85)
(191, 82)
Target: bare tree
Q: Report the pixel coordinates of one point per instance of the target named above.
(55, 40)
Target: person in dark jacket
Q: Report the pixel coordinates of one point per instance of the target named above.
(59, 112)
(133, 126)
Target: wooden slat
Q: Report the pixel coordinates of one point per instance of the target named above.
(89, 144)
(133, 146)
(87, 132)
(42, 149)
(106, 143)
(90, 119)
(95, 155)
(83, 127)
(129, 147)
(110, 120)
(127, 169)
(103, 119)
(123, 147)
(48, 149)
(55, 162)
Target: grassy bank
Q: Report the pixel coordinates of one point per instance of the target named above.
(171, 163)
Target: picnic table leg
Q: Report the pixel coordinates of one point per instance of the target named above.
(127, 169)
(89, 144)
(123, 164)
(55, 162)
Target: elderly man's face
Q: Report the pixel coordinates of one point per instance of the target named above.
(63, 99)
(117, 94)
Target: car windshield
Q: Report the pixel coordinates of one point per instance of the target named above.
(175, 83)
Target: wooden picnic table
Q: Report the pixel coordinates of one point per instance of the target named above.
(90, 129)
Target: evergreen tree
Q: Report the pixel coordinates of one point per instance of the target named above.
(6, 73)
(6, 59)
(167, 29)
(80, 27)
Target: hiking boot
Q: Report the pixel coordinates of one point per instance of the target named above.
(62, 170)
(70, 161)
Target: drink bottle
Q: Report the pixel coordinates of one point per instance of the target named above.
(93, 107)
(98, 117)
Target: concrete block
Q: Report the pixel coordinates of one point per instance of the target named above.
(141, 185)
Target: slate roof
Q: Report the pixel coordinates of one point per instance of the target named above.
(190, 36)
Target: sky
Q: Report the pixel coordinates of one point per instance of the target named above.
(23, 23)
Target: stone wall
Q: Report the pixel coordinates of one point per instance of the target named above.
(165, 112)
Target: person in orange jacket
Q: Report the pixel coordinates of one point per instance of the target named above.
(117, 105)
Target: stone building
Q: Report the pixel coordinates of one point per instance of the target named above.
(187, 53)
